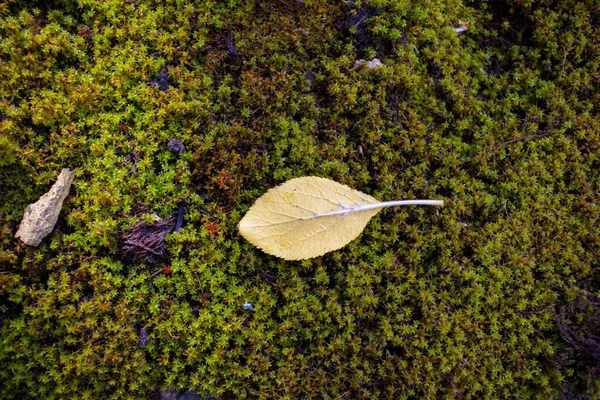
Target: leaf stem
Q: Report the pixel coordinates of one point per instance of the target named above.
(374, 206)
(395, 203)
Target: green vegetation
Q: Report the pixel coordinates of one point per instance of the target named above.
(464, 301)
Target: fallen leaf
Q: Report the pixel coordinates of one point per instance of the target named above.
(310, 216)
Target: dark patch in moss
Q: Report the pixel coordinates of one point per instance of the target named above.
(356, 25)
(583, 336)
(162, 81)
(146, 241)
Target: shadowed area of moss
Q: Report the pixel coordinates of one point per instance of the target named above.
(465, 301)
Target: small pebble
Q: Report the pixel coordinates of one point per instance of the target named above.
(247, 306)
(371, 65)
(176, 146)
(161, 81)
(310, 76)
(462, 27)
(143, 338)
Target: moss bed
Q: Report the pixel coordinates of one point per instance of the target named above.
(495, 295)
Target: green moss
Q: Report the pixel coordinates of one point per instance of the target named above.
(501, 122)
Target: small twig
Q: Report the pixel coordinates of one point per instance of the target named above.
(521, 138)
(141, 246)
(564, 60)
(289, 5)
(172, 336)
(203, 211)
(506, 42)
(155, 274)
(588, 246)
(7, 272)
(360, 21)
(342, 395)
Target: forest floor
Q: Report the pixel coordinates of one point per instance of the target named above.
(189, 110)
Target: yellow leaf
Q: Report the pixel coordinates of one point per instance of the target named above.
(310, 216)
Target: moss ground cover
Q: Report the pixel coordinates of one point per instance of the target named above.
(467, 301)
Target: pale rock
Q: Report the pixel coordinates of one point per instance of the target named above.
(373, 64)
(462, 27)
(40, 217)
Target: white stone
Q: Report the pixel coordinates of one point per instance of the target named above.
(40, 217)
(462, 27)
(373, 64)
